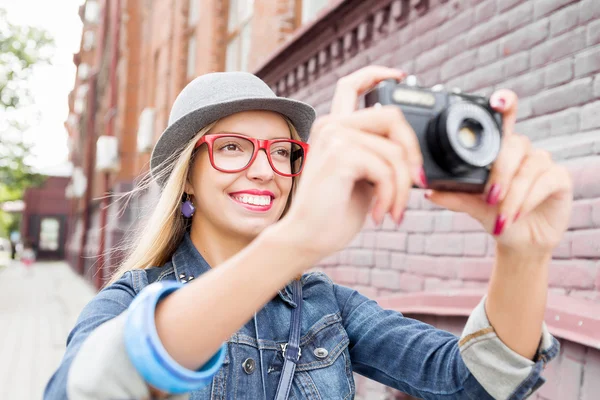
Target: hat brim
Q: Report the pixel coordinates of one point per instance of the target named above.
(180, 132)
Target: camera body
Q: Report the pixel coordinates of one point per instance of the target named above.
(459, 134)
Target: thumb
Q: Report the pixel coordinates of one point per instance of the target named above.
(471, 204)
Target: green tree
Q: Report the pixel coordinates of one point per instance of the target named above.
(21, 48)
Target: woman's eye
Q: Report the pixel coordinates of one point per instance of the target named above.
(230, 147)
(282, 153)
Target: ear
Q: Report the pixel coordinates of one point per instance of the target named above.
(188, 188)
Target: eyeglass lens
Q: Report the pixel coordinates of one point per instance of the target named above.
(232, 153)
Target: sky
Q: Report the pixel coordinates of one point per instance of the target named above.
(50, 84)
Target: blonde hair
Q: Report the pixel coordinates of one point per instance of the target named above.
(149, 246)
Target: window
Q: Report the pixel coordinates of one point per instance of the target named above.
(49, 234)
(193, 18)
(310, 9)
(191, 57)
(72, 119)
(193, 12)
(79, 106)
(92, 11)
(83, 71)
(239, 31)
(80, 99)
(89, 38)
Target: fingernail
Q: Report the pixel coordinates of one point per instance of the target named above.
(423, 177)
(381, 219)
(419, 175)
(494, 194)
(378, 221)
(500, 221)
(517, 216)
(400, 218)
(498, 102)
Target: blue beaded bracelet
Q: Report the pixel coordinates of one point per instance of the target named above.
(147, 353)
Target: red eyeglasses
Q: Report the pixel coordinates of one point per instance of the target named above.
(231, 152)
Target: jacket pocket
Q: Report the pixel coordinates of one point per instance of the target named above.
(324, 370)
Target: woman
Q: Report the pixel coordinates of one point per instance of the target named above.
(28, 256)
(237, 227)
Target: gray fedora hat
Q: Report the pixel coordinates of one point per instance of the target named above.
(217, 95)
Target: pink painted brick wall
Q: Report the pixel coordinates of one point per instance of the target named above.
(548, 52)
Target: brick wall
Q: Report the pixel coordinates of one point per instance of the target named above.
(548, 51)
(544, 50)
(571, 376)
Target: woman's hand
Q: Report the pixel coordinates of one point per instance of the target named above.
(356, 158)
(527, 201)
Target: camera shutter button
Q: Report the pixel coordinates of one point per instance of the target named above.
(411, 80)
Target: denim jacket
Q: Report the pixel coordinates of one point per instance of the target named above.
(342, 332)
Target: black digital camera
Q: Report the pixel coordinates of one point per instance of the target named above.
(459, 134)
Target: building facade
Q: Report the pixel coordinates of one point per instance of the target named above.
(135, 57)
(436, 265)
(45, 218)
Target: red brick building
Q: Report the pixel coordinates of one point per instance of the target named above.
(45, 218)
(435, 266)
(135, 57)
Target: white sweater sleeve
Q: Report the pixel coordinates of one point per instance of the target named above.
(102, 369)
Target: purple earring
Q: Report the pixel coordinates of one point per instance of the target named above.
(187, 208)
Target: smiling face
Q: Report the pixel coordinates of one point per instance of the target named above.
(242, 203)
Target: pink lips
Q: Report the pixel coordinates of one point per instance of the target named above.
(254, 192)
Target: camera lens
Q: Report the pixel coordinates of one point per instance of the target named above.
(466, 136)
(469, 134)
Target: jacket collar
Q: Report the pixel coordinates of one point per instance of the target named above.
(189, 264)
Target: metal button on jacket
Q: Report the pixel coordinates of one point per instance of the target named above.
(321, 352)
(249, 365)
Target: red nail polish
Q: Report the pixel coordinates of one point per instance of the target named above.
(400, 218)
(494, 194)
(498, 103)
(500, 221)
(423, 178)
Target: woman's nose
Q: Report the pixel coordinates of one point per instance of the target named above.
(260, 168)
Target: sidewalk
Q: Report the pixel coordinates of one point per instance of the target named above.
(37, 311)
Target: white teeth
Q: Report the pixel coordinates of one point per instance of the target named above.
(254, 200)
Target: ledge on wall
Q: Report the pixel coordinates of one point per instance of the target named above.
(340, 31)
(573, 319)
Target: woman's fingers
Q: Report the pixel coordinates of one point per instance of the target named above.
(513, 148)
(395, 156)
(350, 87)
(366, 165)
(506, 101)
(387, 122)
(460, 202)
(533, 166)
(384, 139)
(552, 181)
(390, 122)
(513, 151)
